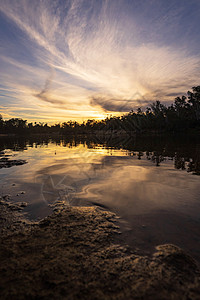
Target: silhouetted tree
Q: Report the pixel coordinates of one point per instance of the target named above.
(181, 115)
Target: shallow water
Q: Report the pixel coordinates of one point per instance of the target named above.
(153, 186)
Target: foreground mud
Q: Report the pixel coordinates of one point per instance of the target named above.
(73, 254)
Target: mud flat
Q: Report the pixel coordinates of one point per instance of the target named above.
(6, 162)
(74, 254)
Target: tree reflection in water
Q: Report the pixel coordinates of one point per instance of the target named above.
(184, 150)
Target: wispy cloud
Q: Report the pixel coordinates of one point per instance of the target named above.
(44, 93)
(96, 55)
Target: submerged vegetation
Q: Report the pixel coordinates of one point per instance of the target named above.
(183, 114)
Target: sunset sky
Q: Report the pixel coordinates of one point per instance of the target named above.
(79, 59)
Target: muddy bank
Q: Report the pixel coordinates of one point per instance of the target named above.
(6, 162)
(73, 254)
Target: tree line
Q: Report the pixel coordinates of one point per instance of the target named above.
(182, 115)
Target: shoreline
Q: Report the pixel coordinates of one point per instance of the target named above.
(105, 133)
(75, 254)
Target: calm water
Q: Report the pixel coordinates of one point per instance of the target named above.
(152, 184)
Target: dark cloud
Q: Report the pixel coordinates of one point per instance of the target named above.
(175, 94)
(171, 89)
(115, 105)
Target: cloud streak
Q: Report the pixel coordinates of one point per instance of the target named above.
(101, 53)
(44, 94)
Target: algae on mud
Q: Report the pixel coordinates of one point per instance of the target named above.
(75, 254)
